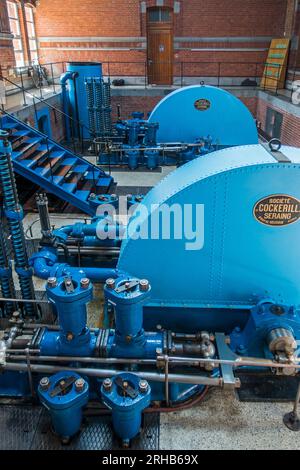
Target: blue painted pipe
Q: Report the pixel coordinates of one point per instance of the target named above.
(45, 265)
(63, 81)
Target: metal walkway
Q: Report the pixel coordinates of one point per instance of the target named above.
(29, 428)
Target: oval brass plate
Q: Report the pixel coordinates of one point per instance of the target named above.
(277, 210)
(202, 105)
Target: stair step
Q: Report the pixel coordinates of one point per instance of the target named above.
(104, 181)
(71, 161)
(48, 168)
(63, 170)
(69, 187)
(20, 133)
(92, 175)
(25, 148)
(74, 178)
(10, 125)
(58, 153)
(81, 168)
(83, 195)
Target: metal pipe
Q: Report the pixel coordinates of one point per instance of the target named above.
(183, 361)
(27, 301)
(151, 376)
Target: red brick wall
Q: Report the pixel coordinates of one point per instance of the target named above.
(290, 134)
(197, 18)
(129, 104)
(6, 46)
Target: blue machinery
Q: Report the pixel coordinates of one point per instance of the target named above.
(186, 310)
(188, 123)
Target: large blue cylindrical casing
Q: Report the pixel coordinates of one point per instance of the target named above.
(77, 92)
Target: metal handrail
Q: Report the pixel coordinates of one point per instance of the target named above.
(47, 139)
(75, 121)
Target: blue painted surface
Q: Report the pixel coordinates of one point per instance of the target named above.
(39, 172)
(44, 115)
(65, 409)
(126, 411)
(242, 260)
(228, 121)
(84, 70)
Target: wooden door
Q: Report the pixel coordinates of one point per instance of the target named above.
(160, 50)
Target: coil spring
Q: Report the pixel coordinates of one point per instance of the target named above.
(99, 106)
(5, 281)
(16, 229)
(90, 105)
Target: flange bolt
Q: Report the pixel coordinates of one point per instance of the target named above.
(79, 385)
(144, 284)
(143, 386)
(44, 383)
(107, 385)
(52, 282)
(110, 283)
(84, 283)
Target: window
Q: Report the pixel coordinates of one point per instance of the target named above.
(273, 124)
(31, 33)
(159, 15)
(14, 22)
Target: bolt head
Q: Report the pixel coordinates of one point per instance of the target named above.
(52, 282)
(84, 283)
(110, 283)
(107, 385)
(70, 336)
(79, 385)
(144, 285)
(44, 383)
(143, 386)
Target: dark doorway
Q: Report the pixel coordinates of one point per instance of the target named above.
(160, 46)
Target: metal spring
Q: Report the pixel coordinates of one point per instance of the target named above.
(99, 106)
(16, 229)
(6, 281)
(90, 105)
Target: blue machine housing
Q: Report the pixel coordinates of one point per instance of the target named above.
(194, 112)
(238, 261)
(126, 409)
(65, 406)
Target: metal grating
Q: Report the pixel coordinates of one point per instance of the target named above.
(29, 428)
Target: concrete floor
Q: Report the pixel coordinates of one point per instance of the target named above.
(221, 422)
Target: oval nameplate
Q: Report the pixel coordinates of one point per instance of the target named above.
(277, 210)
(202, 105)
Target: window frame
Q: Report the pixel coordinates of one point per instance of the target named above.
(32, 51)
(17, 37)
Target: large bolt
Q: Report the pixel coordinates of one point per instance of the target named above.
(84, 283)
(143, 386)
(144, 284)
(44, 383)
(110, 283)
(79, 385)
(107, 385)
(52, 282)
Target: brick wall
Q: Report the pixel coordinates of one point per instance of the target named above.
(6, 46)
(118, 32)
(290, 133)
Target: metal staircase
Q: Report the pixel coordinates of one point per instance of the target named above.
(53, 167)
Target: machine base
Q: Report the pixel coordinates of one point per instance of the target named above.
(256, 387)
(25, 427)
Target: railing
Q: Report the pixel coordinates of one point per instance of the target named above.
(46, 140)
(78, 144)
